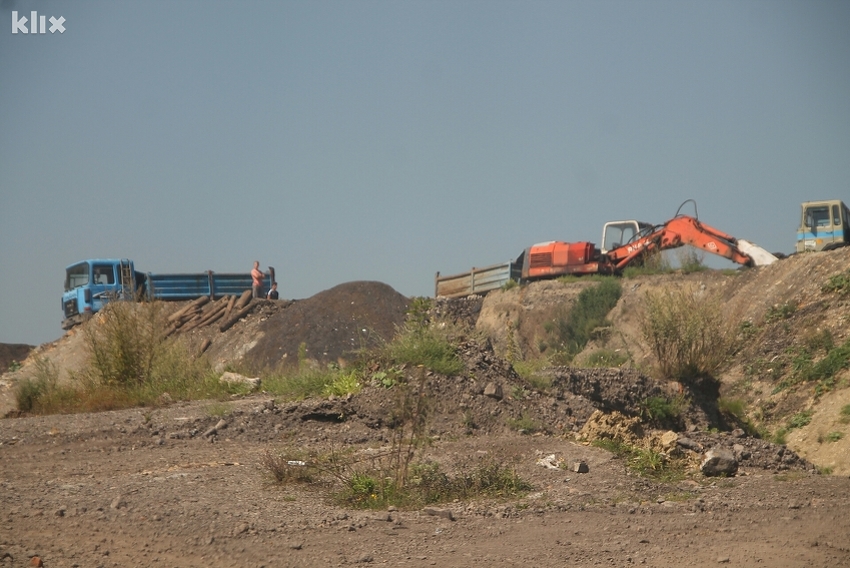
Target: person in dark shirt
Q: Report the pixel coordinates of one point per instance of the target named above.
(273, 295)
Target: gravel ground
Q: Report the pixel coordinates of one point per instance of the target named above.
(147, 488)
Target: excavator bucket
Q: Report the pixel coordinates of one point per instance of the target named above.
(760, 256)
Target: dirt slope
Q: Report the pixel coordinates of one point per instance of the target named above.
(783, 307)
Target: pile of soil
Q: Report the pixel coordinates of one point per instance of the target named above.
(10, 352)
(332, 325)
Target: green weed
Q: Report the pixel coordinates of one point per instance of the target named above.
(305, 383)
(780, 312)
(832, 437)
(646, 463)
(663, 410)
(780, 436)
(800, 419)
(838, 283)
(530, 372)
(606, 358)
(524, 424)
(427, 346)
(573, 327)
(344, 383)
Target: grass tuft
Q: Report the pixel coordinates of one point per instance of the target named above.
(686, 331)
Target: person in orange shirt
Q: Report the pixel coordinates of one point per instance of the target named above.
(257, 278)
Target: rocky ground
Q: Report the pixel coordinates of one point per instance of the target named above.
(148, 488)
(183, 485)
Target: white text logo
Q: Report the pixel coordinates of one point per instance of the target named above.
(38, 24)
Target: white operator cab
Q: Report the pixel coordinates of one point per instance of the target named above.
(618, 233)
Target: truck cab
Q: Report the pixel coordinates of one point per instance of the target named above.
(824, 225)
(89, 284)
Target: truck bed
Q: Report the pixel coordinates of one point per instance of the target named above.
(476, 281)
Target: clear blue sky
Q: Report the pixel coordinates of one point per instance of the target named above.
(358, 140)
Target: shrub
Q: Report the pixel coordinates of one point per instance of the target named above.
(690, 259)
(572, 328)
(125, 342)
(289, 466)
(732, 406)
(686, 332)
(652, 263)
(845, 414)
(30, 393)
(662, 410)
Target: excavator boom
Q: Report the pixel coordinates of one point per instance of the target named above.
(684, 230)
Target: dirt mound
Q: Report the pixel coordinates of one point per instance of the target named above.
(332, 324)
(622, 390)
(12, 352)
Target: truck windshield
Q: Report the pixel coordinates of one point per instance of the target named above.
(78, 275)
(817, 217)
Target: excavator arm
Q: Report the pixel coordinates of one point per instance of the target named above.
(684, 230)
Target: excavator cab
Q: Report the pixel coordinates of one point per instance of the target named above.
(618, 233)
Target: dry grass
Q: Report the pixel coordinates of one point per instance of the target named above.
(686, 331)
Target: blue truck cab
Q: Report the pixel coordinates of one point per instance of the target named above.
(90, 284)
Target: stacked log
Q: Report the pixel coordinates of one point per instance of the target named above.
(202, 312)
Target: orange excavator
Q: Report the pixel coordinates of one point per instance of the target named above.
(629, 242)
(624, 243)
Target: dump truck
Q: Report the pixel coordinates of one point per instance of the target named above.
(824, 225)
(624, 243)
(91, 284)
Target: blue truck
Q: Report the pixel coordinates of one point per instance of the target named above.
(90, 284)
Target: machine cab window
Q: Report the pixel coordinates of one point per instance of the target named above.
(618, 233)
(817, 217)
(77, 275)
(103, 274)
